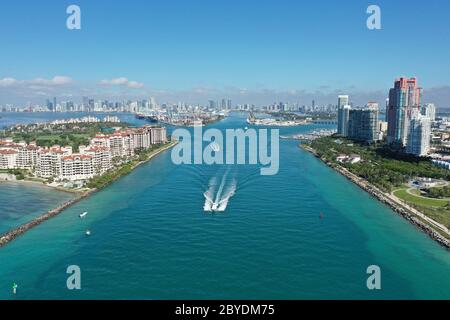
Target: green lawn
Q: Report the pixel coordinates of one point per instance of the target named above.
(420, 201)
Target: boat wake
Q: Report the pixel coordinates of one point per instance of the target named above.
(219, 194)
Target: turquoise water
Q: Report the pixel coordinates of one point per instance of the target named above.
(151, 238)
(21, 202)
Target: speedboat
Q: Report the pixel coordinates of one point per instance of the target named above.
(82, 215)
(88, 232)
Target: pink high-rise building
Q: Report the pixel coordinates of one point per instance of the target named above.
(404, 105)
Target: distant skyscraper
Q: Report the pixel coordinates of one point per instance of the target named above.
(229, 106)
(419, 136)
(54, 104)
(429, 110)
(404, 105)
(49, 105)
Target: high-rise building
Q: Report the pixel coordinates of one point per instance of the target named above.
(363, 125)
(404, 105)
(429, 110)
(372, 106)
(49, 105)
(343, 100)
(229, 106)
(343, 116)
(419, 136)
(343, 108)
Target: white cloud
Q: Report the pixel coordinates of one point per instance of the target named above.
(124, 82)
(6, 82)
(55, 81)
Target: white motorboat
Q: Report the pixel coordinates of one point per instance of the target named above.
(82, 215)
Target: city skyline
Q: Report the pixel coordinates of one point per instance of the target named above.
(194, 53)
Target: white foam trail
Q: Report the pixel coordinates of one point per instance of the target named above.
(219, 192)
(219, 202)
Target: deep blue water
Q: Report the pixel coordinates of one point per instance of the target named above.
(151, 238)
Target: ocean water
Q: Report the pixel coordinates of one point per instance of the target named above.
(152, 239)
(20, 203)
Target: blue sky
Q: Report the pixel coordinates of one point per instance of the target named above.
(253, 51)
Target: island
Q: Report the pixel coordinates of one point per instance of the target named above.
(94, 154)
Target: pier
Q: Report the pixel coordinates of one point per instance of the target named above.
(325, 122)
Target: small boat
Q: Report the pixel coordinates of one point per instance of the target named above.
(246, 128)
(82, 215)
(88, 232)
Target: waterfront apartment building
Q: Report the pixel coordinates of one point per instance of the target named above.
(141, 138)
(119, 143)
(8, 158)
(343, 100)
(49, 161)
(158, 135)
(17, 155)
(429, 110)
(419, 136)
(404, 105)
(363, 125)
(76, 167)
(61, 164)
(343, 108)
(343, 118)
(101, 158)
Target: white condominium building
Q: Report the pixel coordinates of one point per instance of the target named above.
(119, 143)
(158, 135)
(8, 158)
(49, 161)
(141, 138)
(61, 164)
(419, 136)
(101, 158)
(77, 167)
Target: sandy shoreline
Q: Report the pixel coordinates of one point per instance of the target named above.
(14, 233)
(420, 220)
(41, 184)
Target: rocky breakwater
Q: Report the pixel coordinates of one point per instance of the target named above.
(13, 234)
(416, 217)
